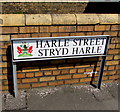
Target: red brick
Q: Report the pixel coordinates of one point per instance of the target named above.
(21, 75)
(111, 67)
(116, 57)
(59, 34)
(57, 61)
(115, 27)
(117, 67)
(41, 35)
(111, 46)
(117, 46)
(78, 34)
(44, 29)
(82, 66)
(29, 74)
(67, 28)
(21, 36)
(56, 83)
(79, 76)
(64, 77)
(29, 80)
(48, 73)
(85, 28)
(39, 84)
(49, 68)
(109, 57)
(110, 72)
(89, 70)
(73, 71)
(71, 81)
(6, 30)
(51, 78)
(30, 69)
(115, 40)
(65, 66)
(85, 80)
(112, 62)
(57, 72)
(102, 27)
(29, 29)
(81, 70)
(114, 51)
(21, 86)
(37, 74)
(93, 33)
(113, 77)
(54, 29)
(111, 33)
(64, 71)
(4, 58)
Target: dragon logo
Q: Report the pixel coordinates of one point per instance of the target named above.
(24, 50)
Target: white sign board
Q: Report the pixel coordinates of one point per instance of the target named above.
(58, 47)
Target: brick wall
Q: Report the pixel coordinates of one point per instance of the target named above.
(64, 71)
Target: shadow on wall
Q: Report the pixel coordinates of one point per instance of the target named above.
(49, 63)
(102, 7)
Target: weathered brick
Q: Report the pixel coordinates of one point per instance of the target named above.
(88, 69)
(56, 83)
(67, 28)
(73, 71)
(115, 27)
(85, 28)
(114, 51)
(109, 57)
(49, 68)
(37, 74)
(102, 27)
(57, 61)
(57, 72)
(79, 75)
(10, 82)
(112, 62)
(117, 46)
(63, 77)
(29, 80)
(21, 75)
(39, 84)
(4, 37)
(113, 77)
(54, 29)
(47, 78)
(59, 34)
(111, 46)
(29, 75)
(78, 34)
(21, 36)
(65, 66)
(85, 80)
(111, 67)
(4, 58)
(30, 69)
(93, 33)
(111, 33)
(116, 57)
(48, 73)
(117, 67)
(81, 70)
(41, 35)
(3, 77)
(81, 66)
(21, 86)
(44, 29)
(5, 87)
(6, 30)
(115, 40)
(5, 44)
(64, 71)
(29, 29)
(71, 81)
(113, 72)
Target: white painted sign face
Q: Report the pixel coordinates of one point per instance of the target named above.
(40, 48)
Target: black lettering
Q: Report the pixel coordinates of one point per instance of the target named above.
(52, 52)
(58, 51)
(75, 51)
(85, 41)
(53, 43)
(87, 49)
(59, 43)
(40, 51)
(97, 41)
(79, 42)
(81, 51)
(103, 41)
(46, 44)
(92, 41)
(46, 51)
(75, 42)
(99, 49)
(37, 43)
(93, 50)
(66, 42)
(63, 51)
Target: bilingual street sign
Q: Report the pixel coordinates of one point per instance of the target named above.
(48, 48)
(58, 47)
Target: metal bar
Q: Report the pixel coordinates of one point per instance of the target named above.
(101, 71)
(15, 79)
